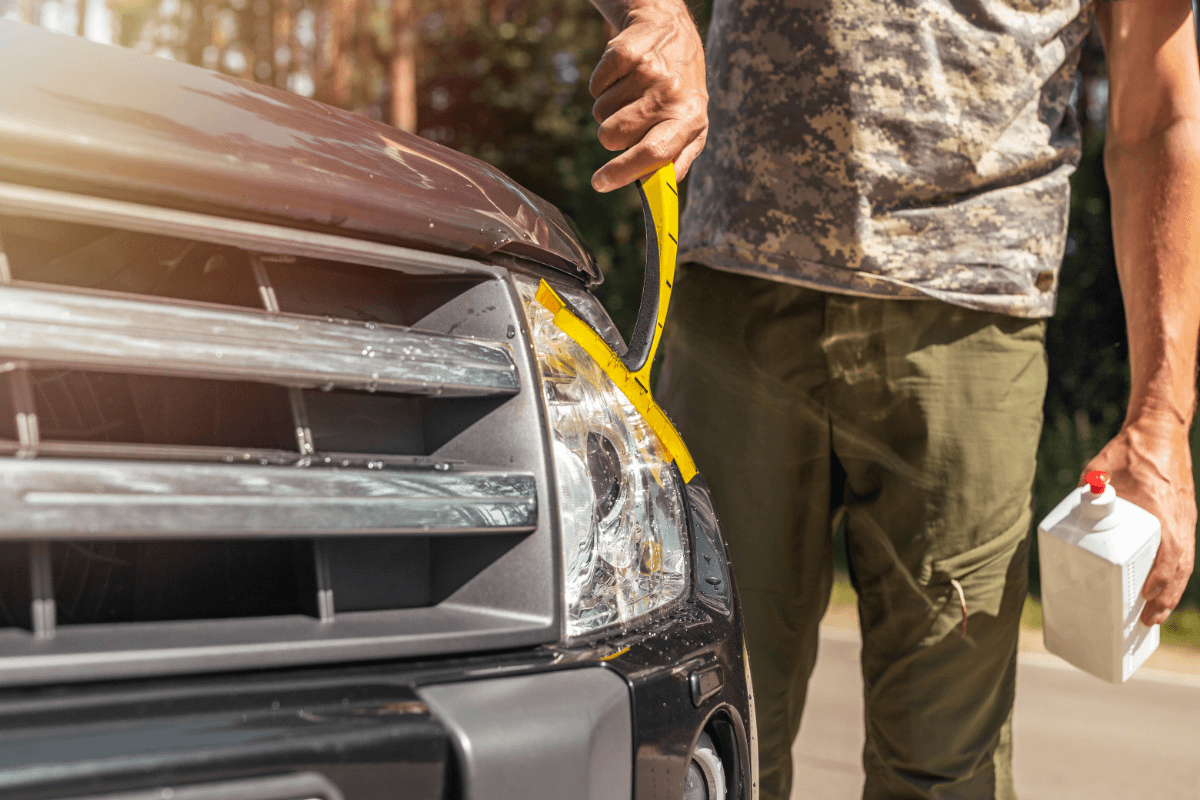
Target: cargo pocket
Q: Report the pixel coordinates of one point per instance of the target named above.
(977, 581)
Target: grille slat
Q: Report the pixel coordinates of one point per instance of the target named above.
(51, 498)
(157, 452)
(92, 330)
(226, 455)
(261, 642)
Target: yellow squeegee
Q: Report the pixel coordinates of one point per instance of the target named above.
(631, 372)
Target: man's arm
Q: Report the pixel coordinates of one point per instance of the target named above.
(649, 90)
(1152, 158)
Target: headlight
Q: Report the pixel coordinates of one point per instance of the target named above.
(620, 502)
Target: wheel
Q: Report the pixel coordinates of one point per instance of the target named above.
(706, 774)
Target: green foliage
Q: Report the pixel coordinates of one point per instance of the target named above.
(1182, 627)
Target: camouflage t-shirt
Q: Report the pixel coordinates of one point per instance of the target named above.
(904, 148)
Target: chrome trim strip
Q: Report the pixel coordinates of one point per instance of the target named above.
(97, 330)
(73, 499)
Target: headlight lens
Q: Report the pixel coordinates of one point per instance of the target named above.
(620, 504)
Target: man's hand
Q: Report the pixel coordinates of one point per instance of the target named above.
(651, 100)
(1151, 465)
(1152, 159)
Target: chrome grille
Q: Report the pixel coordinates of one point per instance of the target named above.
(408, 485)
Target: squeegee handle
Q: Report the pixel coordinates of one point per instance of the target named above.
(631, 373)
(660, 208)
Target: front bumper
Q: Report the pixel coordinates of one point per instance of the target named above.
(601, 720)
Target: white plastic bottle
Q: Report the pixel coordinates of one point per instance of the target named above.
(1095, 550)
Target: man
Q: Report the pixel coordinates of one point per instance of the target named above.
(876, 229)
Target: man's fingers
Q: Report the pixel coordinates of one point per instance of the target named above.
(656, 149)
(684, 162)
(625, 92)
(1156, 589)
(629, 125)
(1156, 594)
(616, 62)
(1159, 578)
(1157, 610)
(1164, 585)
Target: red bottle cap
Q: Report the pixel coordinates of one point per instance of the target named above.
(1097, 480)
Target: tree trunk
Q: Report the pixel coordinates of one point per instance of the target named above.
(339, 78)
(261, 44)
(283, 40)
(404, 67)
(199, 35)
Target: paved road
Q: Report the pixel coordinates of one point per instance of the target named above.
(1076, 737)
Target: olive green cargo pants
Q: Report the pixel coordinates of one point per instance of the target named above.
(933, 412)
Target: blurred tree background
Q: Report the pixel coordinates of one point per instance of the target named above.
(506, 81)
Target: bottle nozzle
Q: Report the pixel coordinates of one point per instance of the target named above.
(1097, 481)
(1100, 500)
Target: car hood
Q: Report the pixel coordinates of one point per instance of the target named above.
(101, 120)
